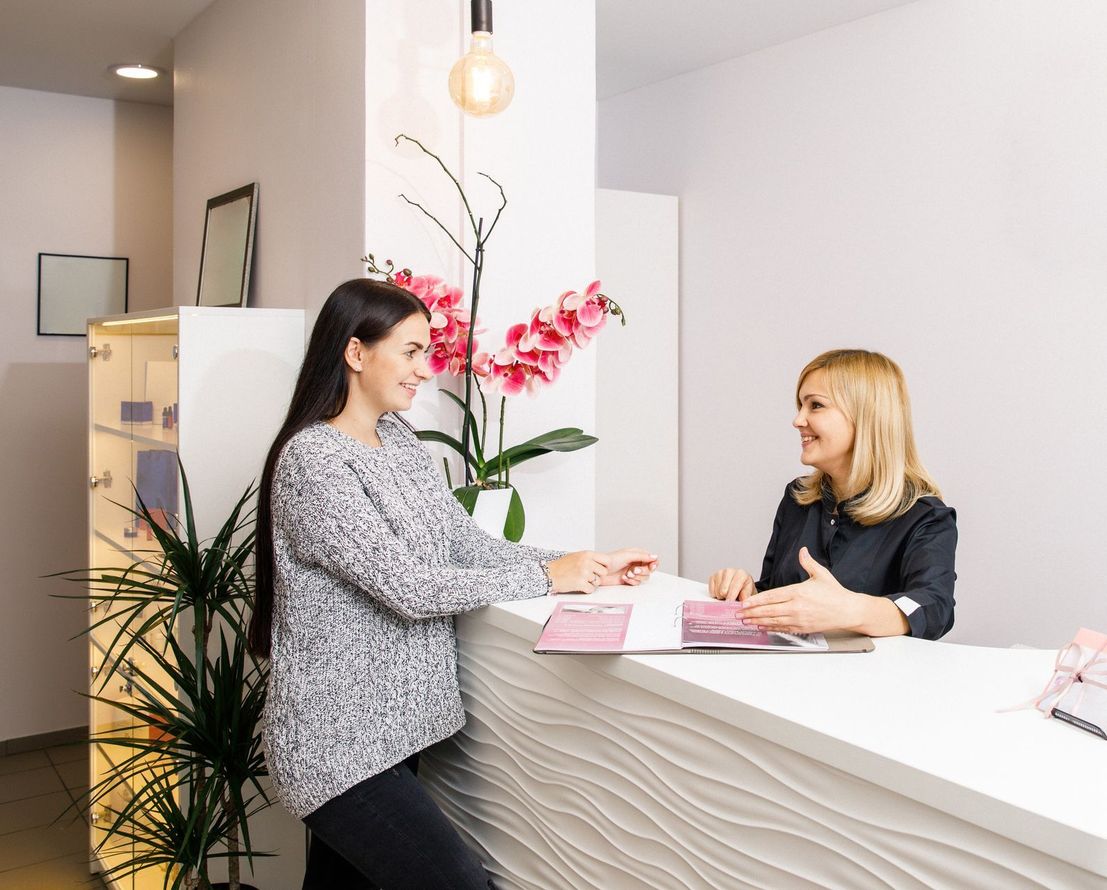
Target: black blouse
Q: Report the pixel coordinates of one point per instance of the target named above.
(910, 559)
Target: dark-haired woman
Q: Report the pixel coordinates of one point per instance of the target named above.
(364, 557)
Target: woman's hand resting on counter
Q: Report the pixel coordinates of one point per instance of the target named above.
(816, 605)
(587, 570)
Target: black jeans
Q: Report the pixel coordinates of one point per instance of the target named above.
(386, 832)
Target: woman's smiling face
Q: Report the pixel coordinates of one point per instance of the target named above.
(826, 434)
(395, 366)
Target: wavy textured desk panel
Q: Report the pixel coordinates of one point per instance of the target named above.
(566, 776)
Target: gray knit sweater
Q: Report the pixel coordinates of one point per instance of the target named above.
(374, 557)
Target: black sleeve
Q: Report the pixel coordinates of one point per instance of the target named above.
(928, 575)
(769, 561)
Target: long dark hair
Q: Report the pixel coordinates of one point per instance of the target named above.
(361, 308)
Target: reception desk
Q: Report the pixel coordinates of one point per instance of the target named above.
(892, 768)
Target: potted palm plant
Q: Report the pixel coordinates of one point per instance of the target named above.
(187, 762)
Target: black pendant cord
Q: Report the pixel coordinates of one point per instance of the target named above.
(478, 268)
(480, 14)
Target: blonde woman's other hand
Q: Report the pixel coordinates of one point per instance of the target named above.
(818, 604)
(822, 604)
(630, 566)
(731, 585)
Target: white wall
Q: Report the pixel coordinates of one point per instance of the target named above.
(541, 150)
(82, 176)
(307, 98)
(272, 92)
(928, 182)
(638, 375)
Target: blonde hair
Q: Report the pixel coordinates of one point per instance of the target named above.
(886, 476)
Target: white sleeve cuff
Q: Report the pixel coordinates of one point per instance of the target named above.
(906, 605)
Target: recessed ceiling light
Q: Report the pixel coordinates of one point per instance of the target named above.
(136, 72)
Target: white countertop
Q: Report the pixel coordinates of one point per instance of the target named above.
(919, 717)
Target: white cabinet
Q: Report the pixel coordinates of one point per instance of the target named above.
(210, 385)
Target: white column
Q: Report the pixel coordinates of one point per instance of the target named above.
(541, 150)
(638, 372)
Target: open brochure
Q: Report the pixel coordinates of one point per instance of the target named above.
(691, 626)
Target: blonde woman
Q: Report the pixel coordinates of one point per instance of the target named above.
(864, 543)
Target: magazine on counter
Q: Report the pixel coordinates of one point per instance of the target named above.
(694, 625)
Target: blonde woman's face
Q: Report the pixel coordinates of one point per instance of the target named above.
(826, 434)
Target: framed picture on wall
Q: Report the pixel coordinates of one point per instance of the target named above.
(73, 288)
(227, 253)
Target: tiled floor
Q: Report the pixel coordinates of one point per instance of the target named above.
(43, 840)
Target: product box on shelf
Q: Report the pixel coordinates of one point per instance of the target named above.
(136, 412)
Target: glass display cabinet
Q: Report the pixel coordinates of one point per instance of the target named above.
(210, 385)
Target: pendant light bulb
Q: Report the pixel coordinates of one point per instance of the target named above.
(481, 84)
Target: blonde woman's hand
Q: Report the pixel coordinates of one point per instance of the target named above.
(818, 604)
(630, 566)
(579, 572)
(731, 584)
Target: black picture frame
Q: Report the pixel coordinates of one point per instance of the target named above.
(82, 287)
(227, 249)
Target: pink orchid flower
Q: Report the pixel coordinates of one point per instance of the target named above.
(593, 307)
(421, 285)
(449, 322)
(438, 359)
(542, 331)
(533, 353)
(550, 366)
(508, 380)
(582, 316)
(482, 363)
(520, 346)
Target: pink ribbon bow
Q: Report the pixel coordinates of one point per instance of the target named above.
(1068, 669)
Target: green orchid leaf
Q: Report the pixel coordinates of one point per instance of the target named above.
(449, 442)
(467, 497)
(516, 518)
(570, 439)
(472, 421)
(555, 434)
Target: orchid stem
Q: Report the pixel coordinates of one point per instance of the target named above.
(478, 266)
(453, 179)
(483, 419)
(434, 219)
(476, 259)
(504, 476)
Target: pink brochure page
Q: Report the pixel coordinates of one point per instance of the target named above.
(586, 627)
(719, 624)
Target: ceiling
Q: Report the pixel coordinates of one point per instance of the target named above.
(67, 46)
(644, 41)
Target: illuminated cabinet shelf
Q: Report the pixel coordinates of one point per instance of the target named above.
(208, 384)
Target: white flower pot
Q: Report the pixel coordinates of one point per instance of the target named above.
(490, 512)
